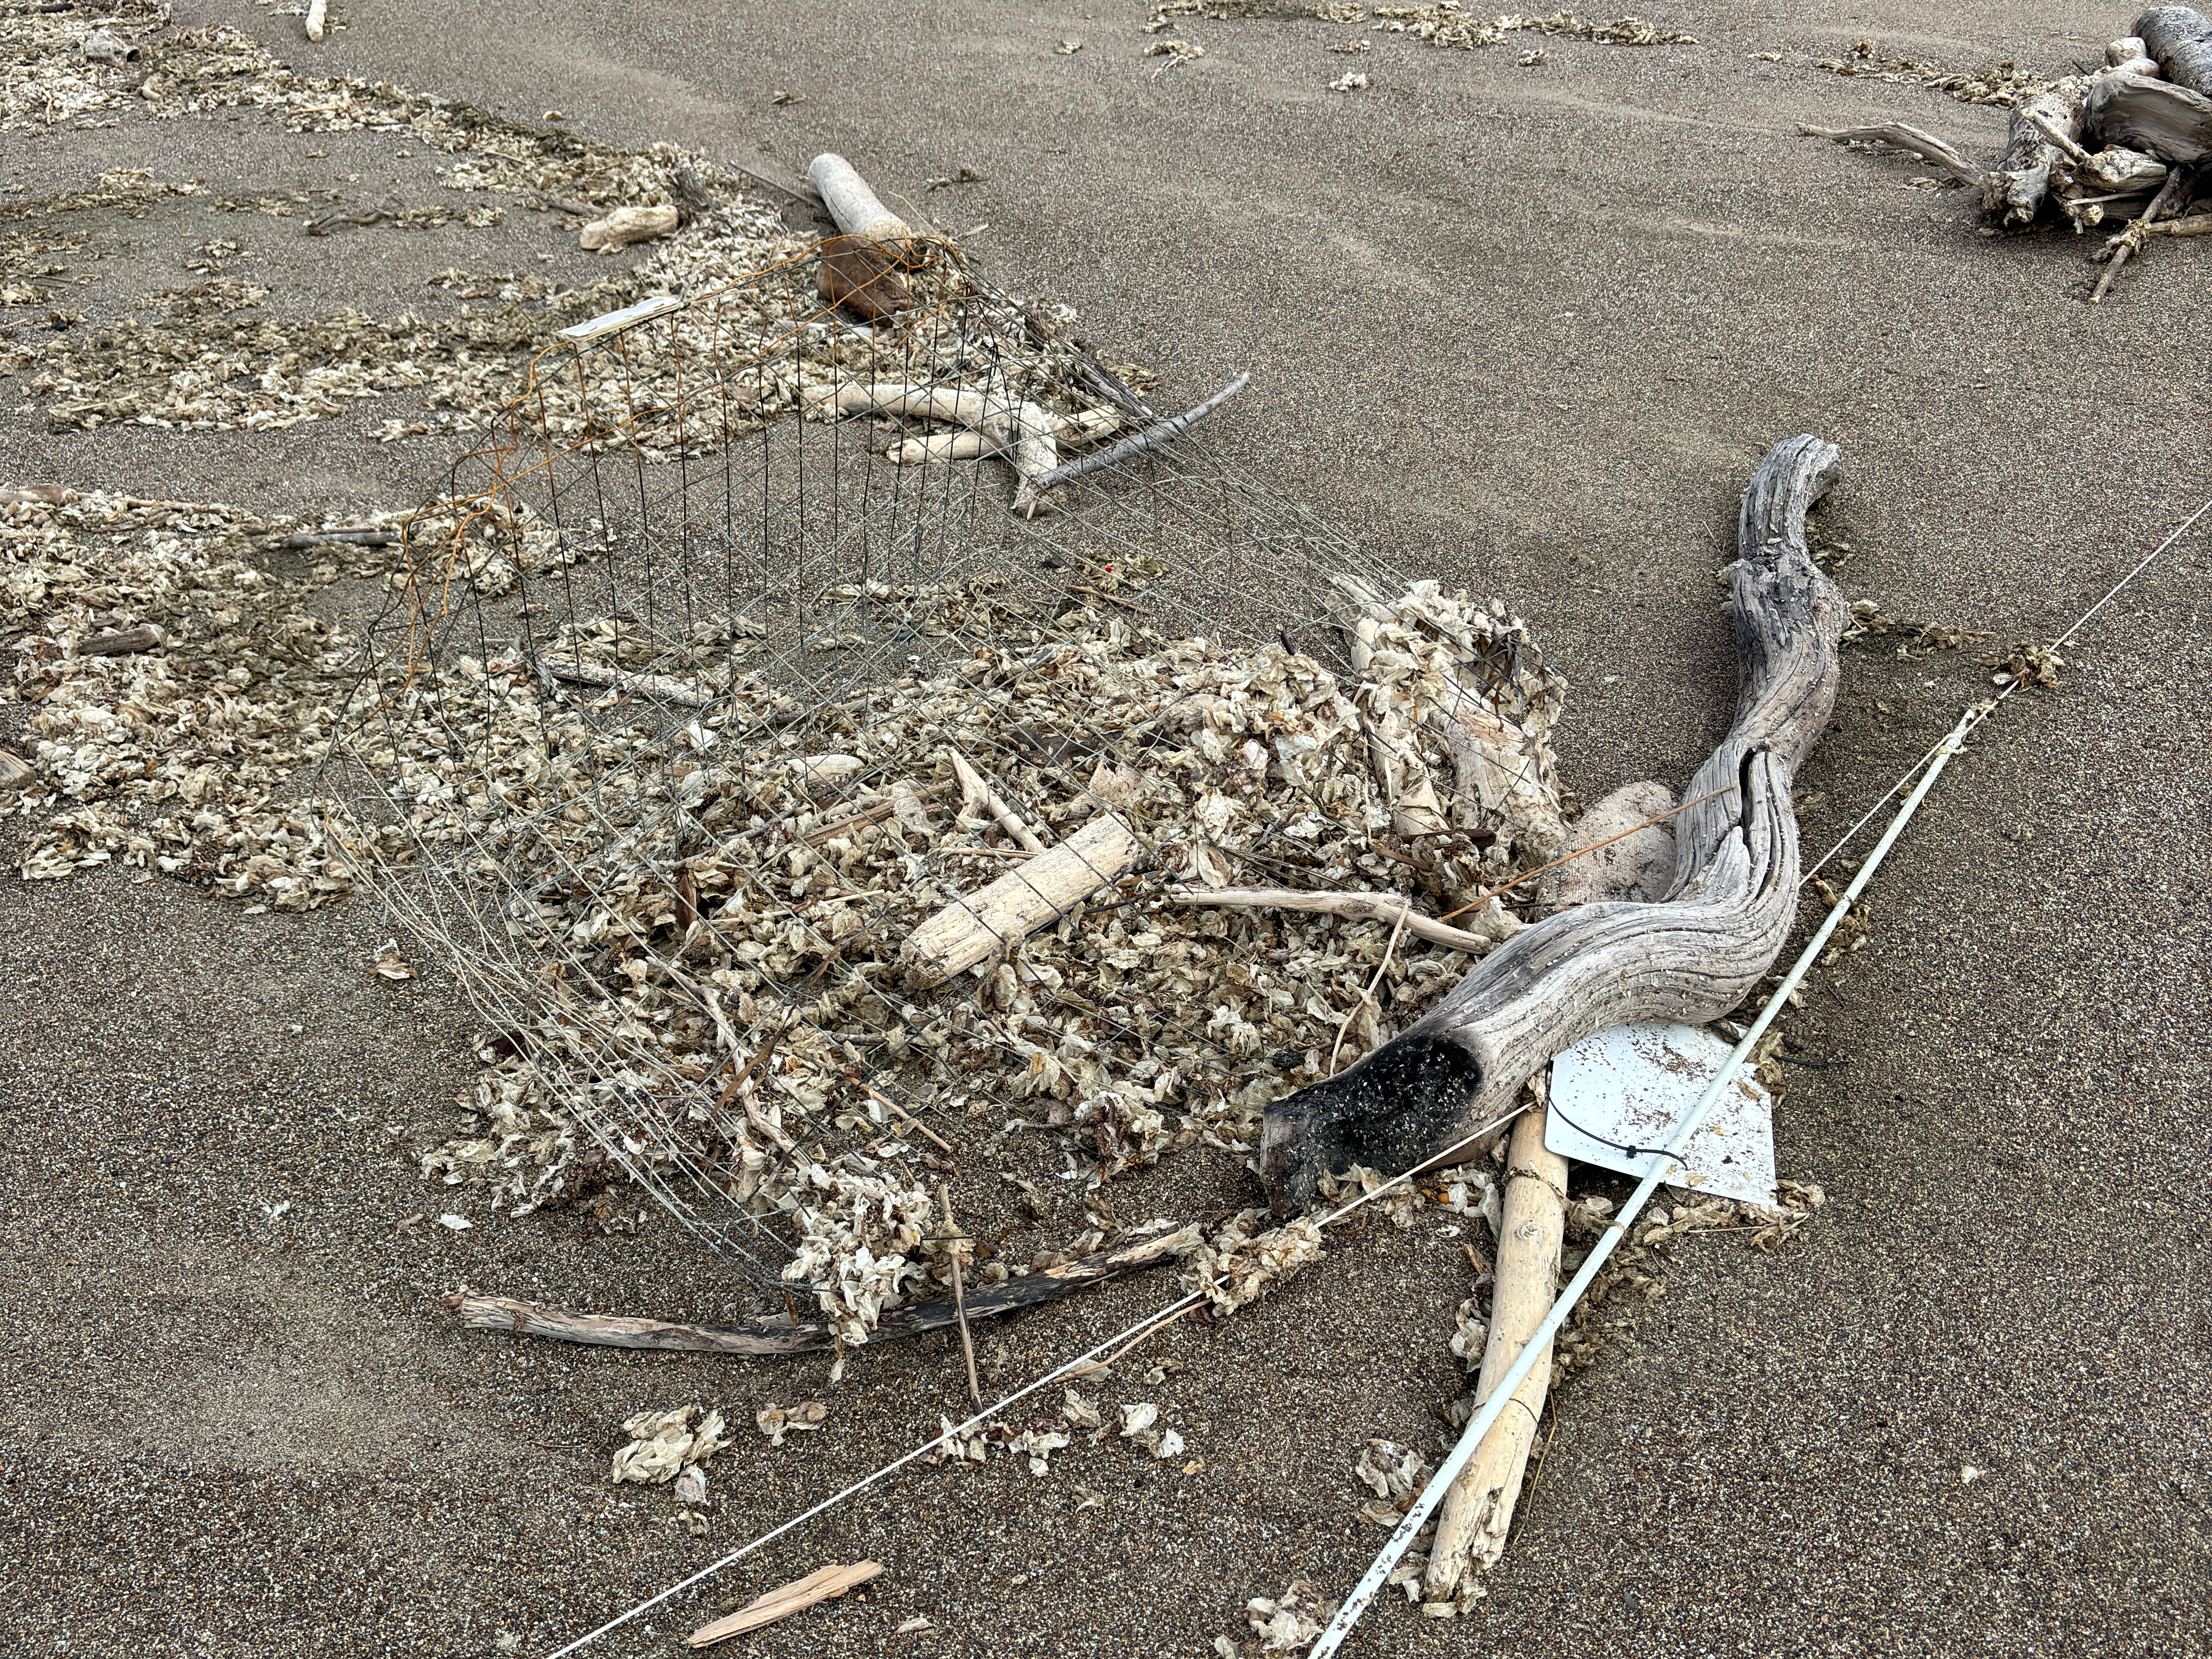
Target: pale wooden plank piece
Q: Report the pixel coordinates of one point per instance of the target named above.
(973, 929)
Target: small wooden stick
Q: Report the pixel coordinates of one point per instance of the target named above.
(927, 1133)
(318, 19)
(1367, 996)
(1151, 437)
(648, 685)
(1480, 1508)
(499, 1313)
(959, 1294)
(1136, 1341)
(975, 791)
(2131, 239)
(821, 1585)
(1352, 907)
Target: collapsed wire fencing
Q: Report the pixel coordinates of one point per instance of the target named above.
(801, 763)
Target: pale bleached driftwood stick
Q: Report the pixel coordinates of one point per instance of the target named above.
(1925, 145)
(499, 1313)
(318, 19)
(980, 803)
(1022, 430)
(1355, 906)
(1151, 437)
(647, 685)
(852, 204)
(1479, 1511)
(820, 1585)
(1691, 958)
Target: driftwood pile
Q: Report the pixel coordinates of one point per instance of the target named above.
(2131, 141)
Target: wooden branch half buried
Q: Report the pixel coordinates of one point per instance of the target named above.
(1926, 145)
(499, 1313)
(1690, 958)
(658, 686)
(1358, 906)
(820, 1585)
(852, 204)
(976, 928)
(1479, 1511)
(129, 642)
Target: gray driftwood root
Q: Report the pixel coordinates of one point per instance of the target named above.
(1691, 957)
(1926, 145)
(499, 1313)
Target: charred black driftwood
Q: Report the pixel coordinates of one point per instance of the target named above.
(1693, 957)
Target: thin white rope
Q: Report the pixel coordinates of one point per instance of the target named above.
(1158, 1316)
(2010, 687)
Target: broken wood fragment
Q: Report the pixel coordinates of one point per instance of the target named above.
(974, 929)
(821, 1585)
(318, 20)
(1479, 1511)
(1691, 958)
(125, 643)
(626, 225)
(15, 770)
(660, 686)
(981, 803)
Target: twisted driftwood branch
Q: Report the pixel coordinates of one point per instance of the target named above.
(1692, 957)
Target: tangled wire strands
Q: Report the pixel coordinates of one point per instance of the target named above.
(718, 729)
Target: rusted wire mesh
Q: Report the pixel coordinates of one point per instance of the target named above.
(800, 803)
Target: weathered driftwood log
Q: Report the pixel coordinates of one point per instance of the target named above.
(1926, 145)
(1045, 887)
(2178, 39)
(498, 1313)
(852, 204)
(1693, 957)
(2167, 120)
(1021, 430)
(1478, 1512)
(318, 19)
(2015, 191)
